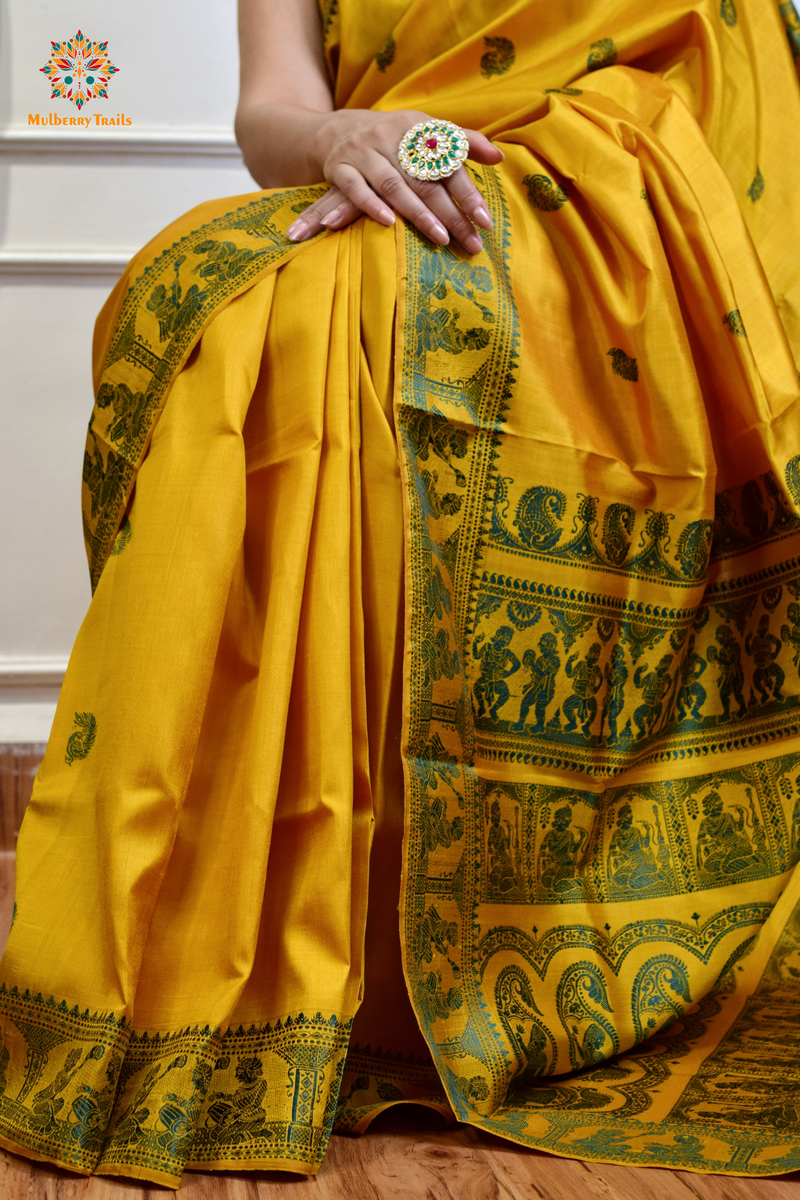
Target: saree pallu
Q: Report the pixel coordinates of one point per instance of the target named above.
(501, 551)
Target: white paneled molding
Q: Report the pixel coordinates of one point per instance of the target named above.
(30, 672)
(191, 141)
(29, 690)
(50, 262)
(21, 724)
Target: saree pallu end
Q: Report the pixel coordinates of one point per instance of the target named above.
(603, 680)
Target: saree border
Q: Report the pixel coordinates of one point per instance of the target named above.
(161, 318)
(96, 1096)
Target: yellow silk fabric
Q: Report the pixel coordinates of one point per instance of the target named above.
(224, 658)
(198, 879)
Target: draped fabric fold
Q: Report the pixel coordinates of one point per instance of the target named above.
(498, 555)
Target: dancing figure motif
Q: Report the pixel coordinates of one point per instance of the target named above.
(498, 662)
(539, 691)
(655, 687)
(768, 676)
(692, 694)
(587, 679)
(728, 657)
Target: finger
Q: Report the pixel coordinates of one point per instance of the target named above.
(355, 188)
(408, 198)
(451, 216)
(482, 150)
(468, 198)
(344, 214)
(383, 185)
(310, 220)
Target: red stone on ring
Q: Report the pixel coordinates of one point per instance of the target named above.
(431, 143)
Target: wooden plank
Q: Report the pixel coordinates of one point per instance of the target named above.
(410, 1154)
(647, 1183)
(18, 765)
(6, 893)
(733, 1187)
(8, 795)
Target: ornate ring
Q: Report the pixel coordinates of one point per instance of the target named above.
(433, 150)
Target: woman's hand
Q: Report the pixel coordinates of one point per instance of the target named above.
(357, 153)
(292, 136)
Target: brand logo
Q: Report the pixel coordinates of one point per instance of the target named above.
(79, 70)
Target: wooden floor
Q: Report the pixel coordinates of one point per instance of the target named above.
(408, 1154)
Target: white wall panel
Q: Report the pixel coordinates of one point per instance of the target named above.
(177, 61)
(72, 206)
(47, 396)
(141, 196)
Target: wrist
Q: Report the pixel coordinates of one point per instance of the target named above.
(331, 128)
(277, 143)
(319, 144)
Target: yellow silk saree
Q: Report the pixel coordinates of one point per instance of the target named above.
(468, 582)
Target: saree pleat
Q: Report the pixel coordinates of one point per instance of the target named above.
(465, 585)
(264, 479)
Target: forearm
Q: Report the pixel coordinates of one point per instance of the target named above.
(285, 94)
(278, 143)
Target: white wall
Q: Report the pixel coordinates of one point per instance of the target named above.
(74, 206)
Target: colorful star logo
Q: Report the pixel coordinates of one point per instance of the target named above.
(79, 70)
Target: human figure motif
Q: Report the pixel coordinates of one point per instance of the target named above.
(178, 1116)
(131, 415)
(632, 863)
(48, 1102)
(538, 693)
(235, 1118)
(92, 1106)
(654, 686)
(587, 679)
(497, 664)
(768, 675)
(791, 633)
(723, 845)
(794, 827)
(558, 855)
(131, 1128)
(616, 676)
(728, 658)
(692, 694)
(502, 875)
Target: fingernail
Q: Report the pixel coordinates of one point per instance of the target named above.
(482, 217)
(387, 216)
(474, 243)
(333, 218)
(440, 233)
(297, 231)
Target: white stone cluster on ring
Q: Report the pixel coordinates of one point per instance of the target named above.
(433, 150)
